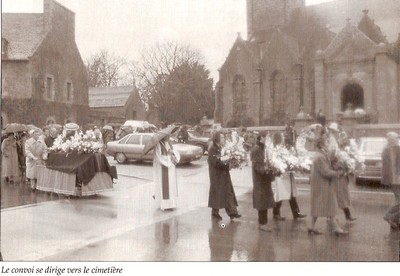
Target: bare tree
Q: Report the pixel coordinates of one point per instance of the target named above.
(156, 80)
(104, 69)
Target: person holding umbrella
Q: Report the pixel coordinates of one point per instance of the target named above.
(164, 162)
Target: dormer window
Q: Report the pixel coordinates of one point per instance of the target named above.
(4, 48)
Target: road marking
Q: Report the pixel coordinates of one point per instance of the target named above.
(133, 176)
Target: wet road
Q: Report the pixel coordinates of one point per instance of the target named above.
(194, 236)
(125, 225)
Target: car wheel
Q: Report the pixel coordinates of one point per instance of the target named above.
(120, 157)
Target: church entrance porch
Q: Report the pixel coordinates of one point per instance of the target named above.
(352, 95)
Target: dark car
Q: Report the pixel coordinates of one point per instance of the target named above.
(197, 140)
(131, 147)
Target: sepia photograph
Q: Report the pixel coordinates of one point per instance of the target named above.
(198, 131)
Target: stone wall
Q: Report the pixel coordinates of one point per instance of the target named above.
(240, 62)
(15, 79)
(58, 57)
(36, 112)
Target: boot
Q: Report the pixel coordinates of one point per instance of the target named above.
(295, 209)
(277, 211)
(348, 214)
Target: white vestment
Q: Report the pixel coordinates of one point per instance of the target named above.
(166, 191)
(284, 186)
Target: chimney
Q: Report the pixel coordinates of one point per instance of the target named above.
(48, 6)
(59, 18)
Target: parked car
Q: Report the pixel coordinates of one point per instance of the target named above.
(370, 151)
(131, 147)
(196, 140)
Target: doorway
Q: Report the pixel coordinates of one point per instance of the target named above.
(352, 93)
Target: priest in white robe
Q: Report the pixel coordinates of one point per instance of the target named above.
(165, 160)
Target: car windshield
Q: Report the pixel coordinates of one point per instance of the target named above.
(373, 147)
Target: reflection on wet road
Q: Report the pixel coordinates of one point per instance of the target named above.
(194, 236)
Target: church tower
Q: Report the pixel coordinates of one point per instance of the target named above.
(266, 14)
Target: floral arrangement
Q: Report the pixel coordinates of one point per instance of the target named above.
(233, 152)
(282, 160)
(343, 161)
(80, 143)
(347, 159)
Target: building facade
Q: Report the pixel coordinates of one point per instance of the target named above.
(116, 105)
(324, 58)
(44, 78)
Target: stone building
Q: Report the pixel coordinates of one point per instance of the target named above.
(116, 105)
(43, 76)
(322, 58)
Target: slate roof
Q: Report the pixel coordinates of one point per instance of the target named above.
(24, 33)
(110, 96)
(384, 12)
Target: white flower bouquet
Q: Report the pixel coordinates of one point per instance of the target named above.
(282, 160)
(79, 143)
(233, 152)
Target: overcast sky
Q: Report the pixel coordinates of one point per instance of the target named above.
(125, 27)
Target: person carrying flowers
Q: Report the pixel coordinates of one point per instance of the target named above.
(341, 161)
(263, 197)
(285, 184)
(323, 196)
(221, 194)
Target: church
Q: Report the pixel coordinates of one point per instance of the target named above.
(322, 58)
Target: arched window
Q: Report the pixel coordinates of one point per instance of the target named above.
(279, 93)
(239, 97)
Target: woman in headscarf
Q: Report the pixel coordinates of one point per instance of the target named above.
(9, 163)
(221, 195)
(36, 152)
(323, 195)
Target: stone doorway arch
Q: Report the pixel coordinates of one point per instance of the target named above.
(352, 93)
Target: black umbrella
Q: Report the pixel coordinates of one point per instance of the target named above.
(156, 138)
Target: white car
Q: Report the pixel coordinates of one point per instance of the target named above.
(131, 147)
(370, 152)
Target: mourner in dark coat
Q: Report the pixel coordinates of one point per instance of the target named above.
(263, 197)
(391, 177)
(221, 193)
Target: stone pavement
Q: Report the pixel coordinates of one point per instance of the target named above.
(124, 225)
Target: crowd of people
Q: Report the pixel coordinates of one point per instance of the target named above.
(329, 183)
(22, 151)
